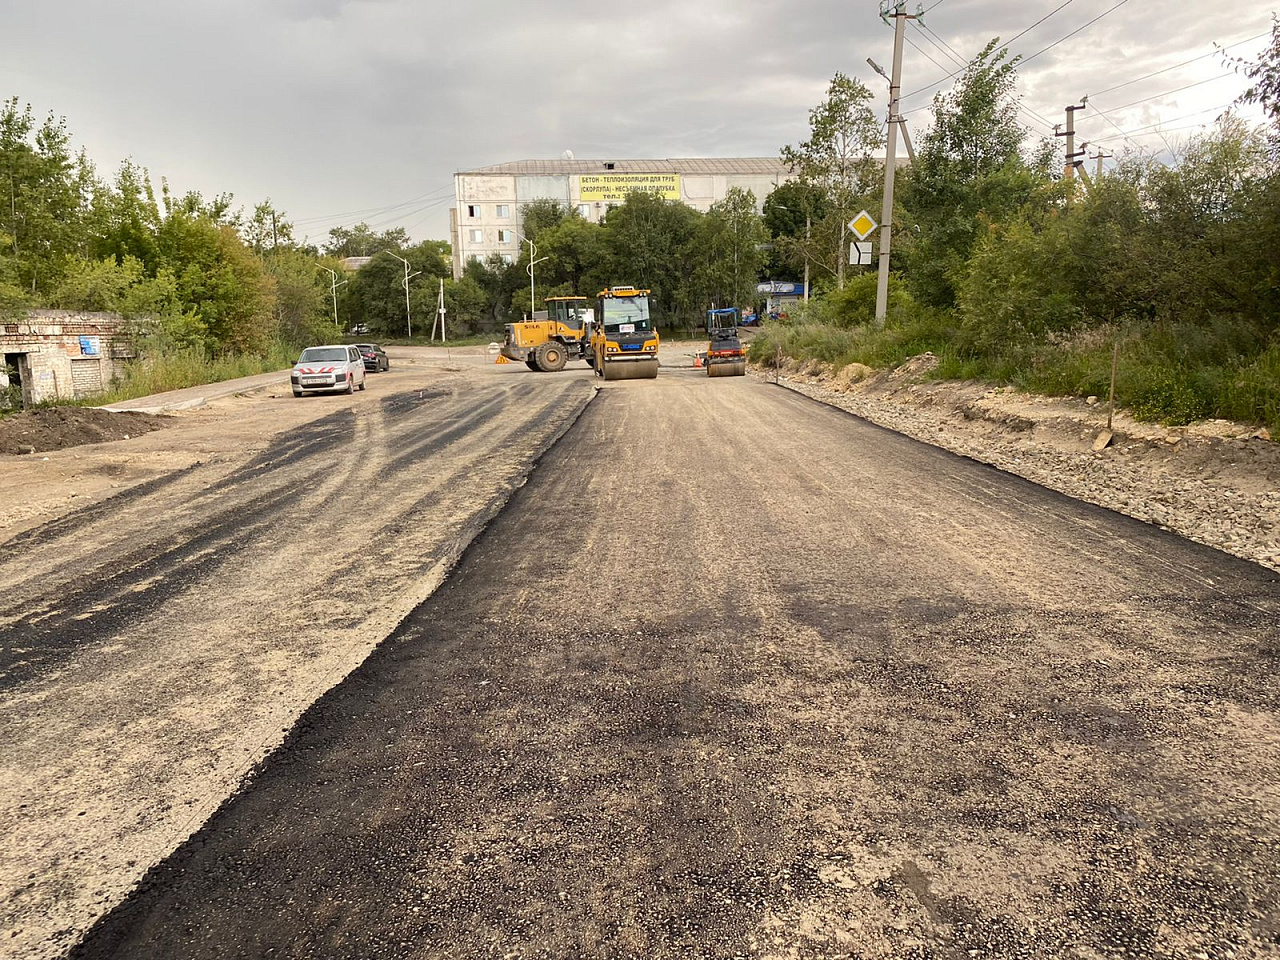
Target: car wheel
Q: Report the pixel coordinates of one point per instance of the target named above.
(351, 387)
(297, 393)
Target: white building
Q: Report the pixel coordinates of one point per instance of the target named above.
(486, 216)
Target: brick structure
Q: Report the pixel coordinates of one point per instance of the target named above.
(61, 354)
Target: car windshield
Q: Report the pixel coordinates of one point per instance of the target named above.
(317, 354)
(368, 347)
(622, 312)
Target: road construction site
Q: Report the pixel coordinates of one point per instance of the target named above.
(720, 671)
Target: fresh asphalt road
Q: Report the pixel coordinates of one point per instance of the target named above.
(736, 674)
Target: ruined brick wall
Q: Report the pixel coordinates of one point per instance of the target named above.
(63, 354)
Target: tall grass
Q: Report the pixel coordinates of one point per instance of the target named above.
(1168, 372)
(161, 371)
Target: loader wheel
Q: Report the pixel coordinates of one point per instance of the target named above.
(551, 356)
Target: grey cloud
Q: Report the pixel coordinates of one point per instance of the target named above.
(335, 105)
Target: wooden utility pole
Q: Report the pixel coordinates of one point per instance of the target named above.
(897, 10)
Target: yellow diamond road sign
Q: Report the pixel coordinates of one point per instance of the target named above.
(862, 225)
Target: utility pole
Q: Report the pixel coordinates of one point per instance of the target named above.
(440, 311)
(333, 290)
(1073, 156)
(1102, 155)
(808, 228)
(900, 18)
(407, 277)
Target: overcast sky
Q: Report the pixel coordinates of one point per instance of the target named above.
(341, 110)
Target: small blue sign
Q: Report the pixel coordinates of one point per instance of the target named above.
(89, 346)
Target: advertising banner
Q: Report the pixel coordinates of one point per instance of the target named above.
(614, 187)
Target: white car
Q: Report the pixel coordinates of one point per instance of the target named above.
(330, 369)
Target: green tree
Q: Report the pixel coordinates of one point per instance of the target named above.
(969, 170)
(837, 161)
(729, 251)
(363, 241)
(651, 244)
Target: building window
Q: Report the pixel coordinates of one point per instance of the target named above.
(584, 210)
(476, 236)
(506, 236)
(503, 211)
(473, 210)
(508, 259)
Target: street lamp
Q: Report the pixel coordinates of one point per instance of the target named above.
(533, 259)
(407, 277)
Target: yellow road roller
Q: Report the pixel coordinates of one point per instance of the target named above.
(624, 342)
(726, 357)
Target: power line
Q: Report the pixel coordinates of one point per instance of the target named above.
(1157, 73)
(372, 211)
(1139, 131)
(1038, 22)
(1026, 60)
(926, 54)
(966, 63)
(1157, 96)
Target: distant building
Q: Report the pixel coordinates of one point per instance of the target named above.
(352, 264)
(486, 216)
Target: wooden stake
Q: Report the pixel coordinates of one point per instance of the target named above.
(1111, 403)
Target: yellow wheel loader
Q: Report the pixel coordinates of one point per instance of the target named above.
(726, 356)
(547, 345)
(624, 341)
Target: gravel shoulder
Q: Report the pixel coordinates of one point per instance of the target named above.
(174, 601)
(1214, 482)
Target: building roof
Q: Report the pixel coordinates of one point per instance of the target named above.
(723, 166)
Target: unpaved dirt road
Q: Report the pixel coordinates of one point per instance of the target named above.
(155, 644)
(737, 674)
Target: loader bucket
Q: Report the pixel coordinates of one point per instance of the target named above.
(631, 370)
(734, 368)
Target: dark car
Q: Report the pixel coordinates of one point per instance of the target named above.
(375, 358)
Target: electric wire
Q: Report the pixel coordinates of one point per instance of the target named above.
(1157, 73)
(1026, 60)
(1157, 96)
(926, 53)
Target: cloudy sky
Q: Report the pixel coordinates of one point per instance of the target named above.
(342, 110)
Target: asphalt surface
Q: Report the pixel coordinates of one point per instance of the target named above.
(157, 643)
(736, 674)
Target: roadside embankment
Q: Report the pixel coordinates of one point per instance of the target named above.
(1216, 482)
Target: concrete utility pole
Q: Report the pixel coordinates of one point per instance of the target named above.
(900, 18)
(408, 319)
(1102, 155)
(1073, 156)
(440, 311)
(333, 289)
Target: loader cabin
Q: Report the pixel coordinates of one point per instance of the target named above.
(570, 312)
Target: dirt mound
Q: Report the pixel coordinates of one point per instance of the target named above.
(53, 428)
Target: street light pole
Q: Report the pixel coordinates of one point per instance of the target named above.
(533, 259)
(333, 290)
(407, 277)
